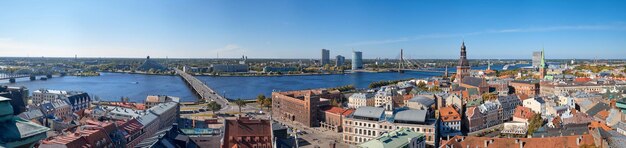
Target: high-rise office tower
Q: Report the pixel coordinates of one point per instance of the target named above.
(325, 57)
(357, 60)
(537, 59)
(340, 60)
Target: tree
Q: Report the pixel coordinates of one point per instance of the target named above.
(435, 88)
(489, 96)
(240, 103)
(422, 85)
(214, 106)
(260, 99)
(267, 103)
(535, 123)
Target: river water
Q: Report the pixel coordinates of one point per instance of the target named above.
(113, 86)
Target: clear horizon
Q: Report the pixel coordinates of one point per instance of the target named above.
(286, 29)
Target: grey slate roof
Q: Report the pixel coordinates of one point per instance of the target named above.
(147, 118)
(597, 108)
(472, 81)
(423, 100)
(411, 115)
(161, 108)
(540, 100)
(620, 125)
(616, 139)
(154, 139)
(569, 129)
(278, 126)
(31, 114)
(369, 112)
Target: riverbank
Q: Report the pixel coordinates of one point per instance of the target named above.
(253, 74)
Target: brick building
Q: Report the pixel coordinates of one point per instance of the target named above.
(247, 133)
(529, 88)
(332, 117)
(300, 106)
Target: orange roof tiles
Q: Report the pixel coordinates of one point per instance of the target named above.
(338, 111)
(138, 106)
(448, 114)
(603, 114)
(598, 124)
(582, 80)
(523, 112)
(564, 141)
(347, 112)
(407, 97)
(522, 97)
(470, 111)
(244, 132)
(334, 110)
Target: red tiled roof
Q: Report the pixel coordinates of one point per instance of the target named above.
(347, 112)
(523, 112)
(470, 111)
(578, 118)
(407, 97)
(582, 80)
(449, 114)
(598, 124)
(244, 132)
(563, 141)
(603, 114)
(522, 97)
(138, 106)
(334, 110)
(131, 126)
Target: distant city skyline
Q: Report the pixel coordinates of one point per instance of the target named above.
(300, 29)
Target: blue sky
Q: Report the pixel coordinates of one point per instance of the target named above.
(300, 29)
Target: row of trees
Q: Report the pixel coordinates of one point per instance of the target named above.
(264, 101)
(384, 83)
(594, 69)
(344, 88)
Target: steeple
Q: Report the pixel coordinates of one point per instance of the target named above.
(543, 60)
(463, 59)
(462, 70)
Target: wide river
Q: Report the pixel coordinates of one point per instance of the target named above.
(113, 86)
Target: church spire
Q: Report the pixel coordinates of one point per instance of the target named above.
(543, 60)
